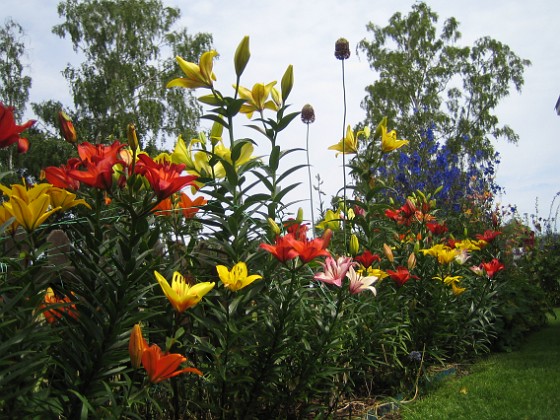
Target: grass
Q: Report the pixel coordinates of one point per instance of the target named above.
(520, 385)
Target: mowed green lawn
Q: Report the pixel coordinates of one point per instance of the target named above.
(524, 384)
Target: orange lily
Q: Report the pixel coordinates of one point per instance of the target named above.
(161, 366)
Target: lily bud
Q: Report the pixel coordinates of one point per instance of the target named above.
(411, 263)
(136, 346)
(242, 55)
(216, 133)
(131, 136)
(354, 245)
(299, 217)
(273, 226)
(287, 82)
(67, 128)
(388, 253)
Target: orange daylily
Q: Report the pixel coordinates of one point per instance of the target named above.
(161, 366)
(51, 299)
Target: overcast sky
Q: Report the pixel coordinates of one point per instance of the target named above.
(303, 33)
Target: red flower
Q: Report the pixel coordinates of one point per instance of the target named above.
(488, 235)
(97, 175)
(60, 176)
(10, 131)
(401, 276)
(366, 258)
(309, 250)
(165, 178)
(289, 246)
(394, 214)
(96, 153)
(282, 250)
(436, 228)
(492, 267)
(160, 367)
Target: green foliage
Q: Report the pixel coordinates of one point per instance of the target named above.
(129, 47)
(425, 78)
(14, 86)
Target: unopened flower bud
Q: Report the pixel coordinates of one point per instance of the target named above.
(307, 114)
(354, 246)
(287, 82)
(411, 261)
(388, 253)
(131, 136)
(242, 55)
(67, 128)
(342, 49)
(299, 217)
(136, 346)
(273, 226)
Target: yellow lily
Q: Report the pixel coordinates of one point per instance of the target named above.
(470, 245)
(198, 75)
(237, 278)
(30, 206)
(349, 144)
(181, 294)
(443, 253)
(389, 140)
(257, 98)
(331, 221)
(5, 216)
(65, 199)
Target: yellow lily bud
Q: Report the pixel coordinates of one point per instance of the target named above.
(136, 346)
(131, 136)
(388, 253)
(216, 133)
(354, 245)
(287, 82)
(273, 226)
(242, 55)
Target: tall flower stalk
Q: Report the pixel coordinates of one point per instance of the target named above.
(308, 117)
(342, 52)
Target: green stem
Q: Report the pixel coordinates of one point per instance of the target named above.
(344, 158)
(310, 183)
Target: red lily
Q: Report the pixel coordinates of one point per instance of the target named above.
(492, 267)
(488, 235)
(10, 131)
(97, 175)
(366, 258)
(309, 250)
(282, 250)
(401, 276)
(436, 228)
(160, 367)
(165, 178)
(96, 153)
(60, 176)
